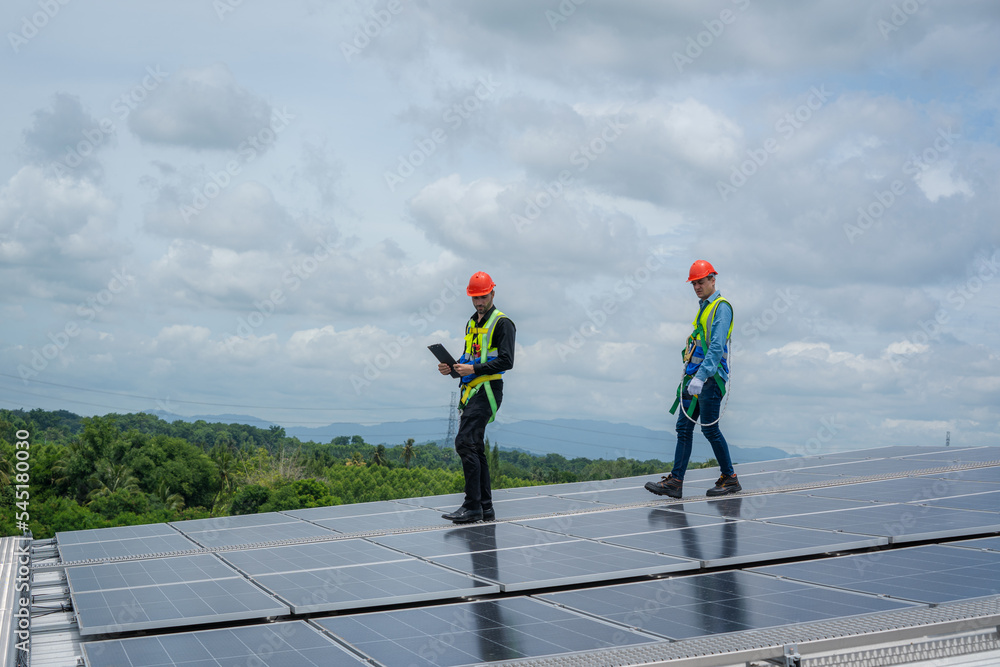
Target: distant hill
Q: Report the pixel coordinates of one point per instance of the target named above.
(571, 438)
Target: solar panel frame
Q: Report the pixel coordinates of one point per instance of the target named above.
(472, 633)
(468, 539)
(164, 592)
(246, 535)
(138, 546)
(762, 506)
(988, 501)
(309, 556)
(899, 490)
(723, 602)
(286, 644)
(371, 585)
(614, 523)
(930, 574)
(114, 533)
(900, 523)
(739, 542)
(562, 564)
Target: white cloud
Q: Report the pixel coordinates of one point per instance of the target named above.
(201, 108)
(937, 181)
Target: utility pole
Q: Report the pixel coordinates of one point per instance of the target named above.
(452, 423)
(947, 439)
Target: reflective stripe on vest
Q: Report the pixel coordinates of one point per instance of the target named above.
(481, 337)
(701, 338)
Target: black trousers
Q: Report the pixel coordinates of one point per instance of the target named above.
(470, 443)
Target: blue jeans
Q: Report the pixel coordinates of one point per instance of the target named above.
(708, 409)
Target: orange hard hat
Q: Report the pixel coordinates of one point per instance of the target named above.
(480, 284)
(700, 269)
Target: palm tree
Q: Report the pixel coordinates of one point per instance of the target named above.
(173, 502)
(227, 466)
(111, 477)
(378, 458)
(408, 452)
(356, 460)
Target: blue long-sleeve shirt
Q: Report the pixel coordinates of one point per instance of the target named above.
(720, 328)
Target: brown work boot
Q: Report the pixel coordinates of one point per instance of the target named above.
(725, 485)
(668, 486)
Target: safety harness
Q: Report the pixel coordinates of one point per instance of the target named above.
(694, 354)
(479, 349)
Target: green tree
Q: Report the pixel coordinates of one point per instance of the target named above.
(111, 478)
(408, 452)
(172, 502)
(249, 499)
(378, 457)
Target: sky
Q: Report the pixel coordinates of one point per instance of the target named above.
(272, 208)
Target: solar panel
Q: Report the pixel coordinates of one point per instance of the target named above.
(561, 564)
(611, 496)
(539, 505)
(735, 542)
(293, 644)
(152, 572)
(900, 523)
(902, 490)
(356, 509)
(371, 585)
(930, 574)
(619, 522)
(314, 556)
(585, 550)
(405, 518)
(990, 543)
(228, 537)
(467, 539)
(235, 521)
(982, 502)
(873, 466)
(762, 506)
(116, 533)
(161, 593)
(709, 604)
(476, 632)
(767, 481)
(138, 546)
(952, 455)
(989, 474)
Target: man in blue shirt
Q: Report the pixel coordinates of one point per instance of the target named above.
(700, 394)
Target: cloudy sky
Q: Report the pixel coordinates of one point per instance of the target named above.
(272, 208)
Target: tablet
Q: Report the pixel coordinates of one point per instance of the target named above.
(444, 357)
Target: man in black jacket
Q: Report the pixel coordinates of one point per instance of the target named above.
(489, 352)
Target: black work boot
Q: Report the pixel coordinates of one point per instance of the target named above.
(725, 485)
(668, 486)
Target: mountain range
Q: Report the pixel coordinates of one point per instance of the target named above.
(571, 438)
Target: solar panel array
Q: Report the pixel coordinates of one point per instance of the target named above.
(389, 582)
